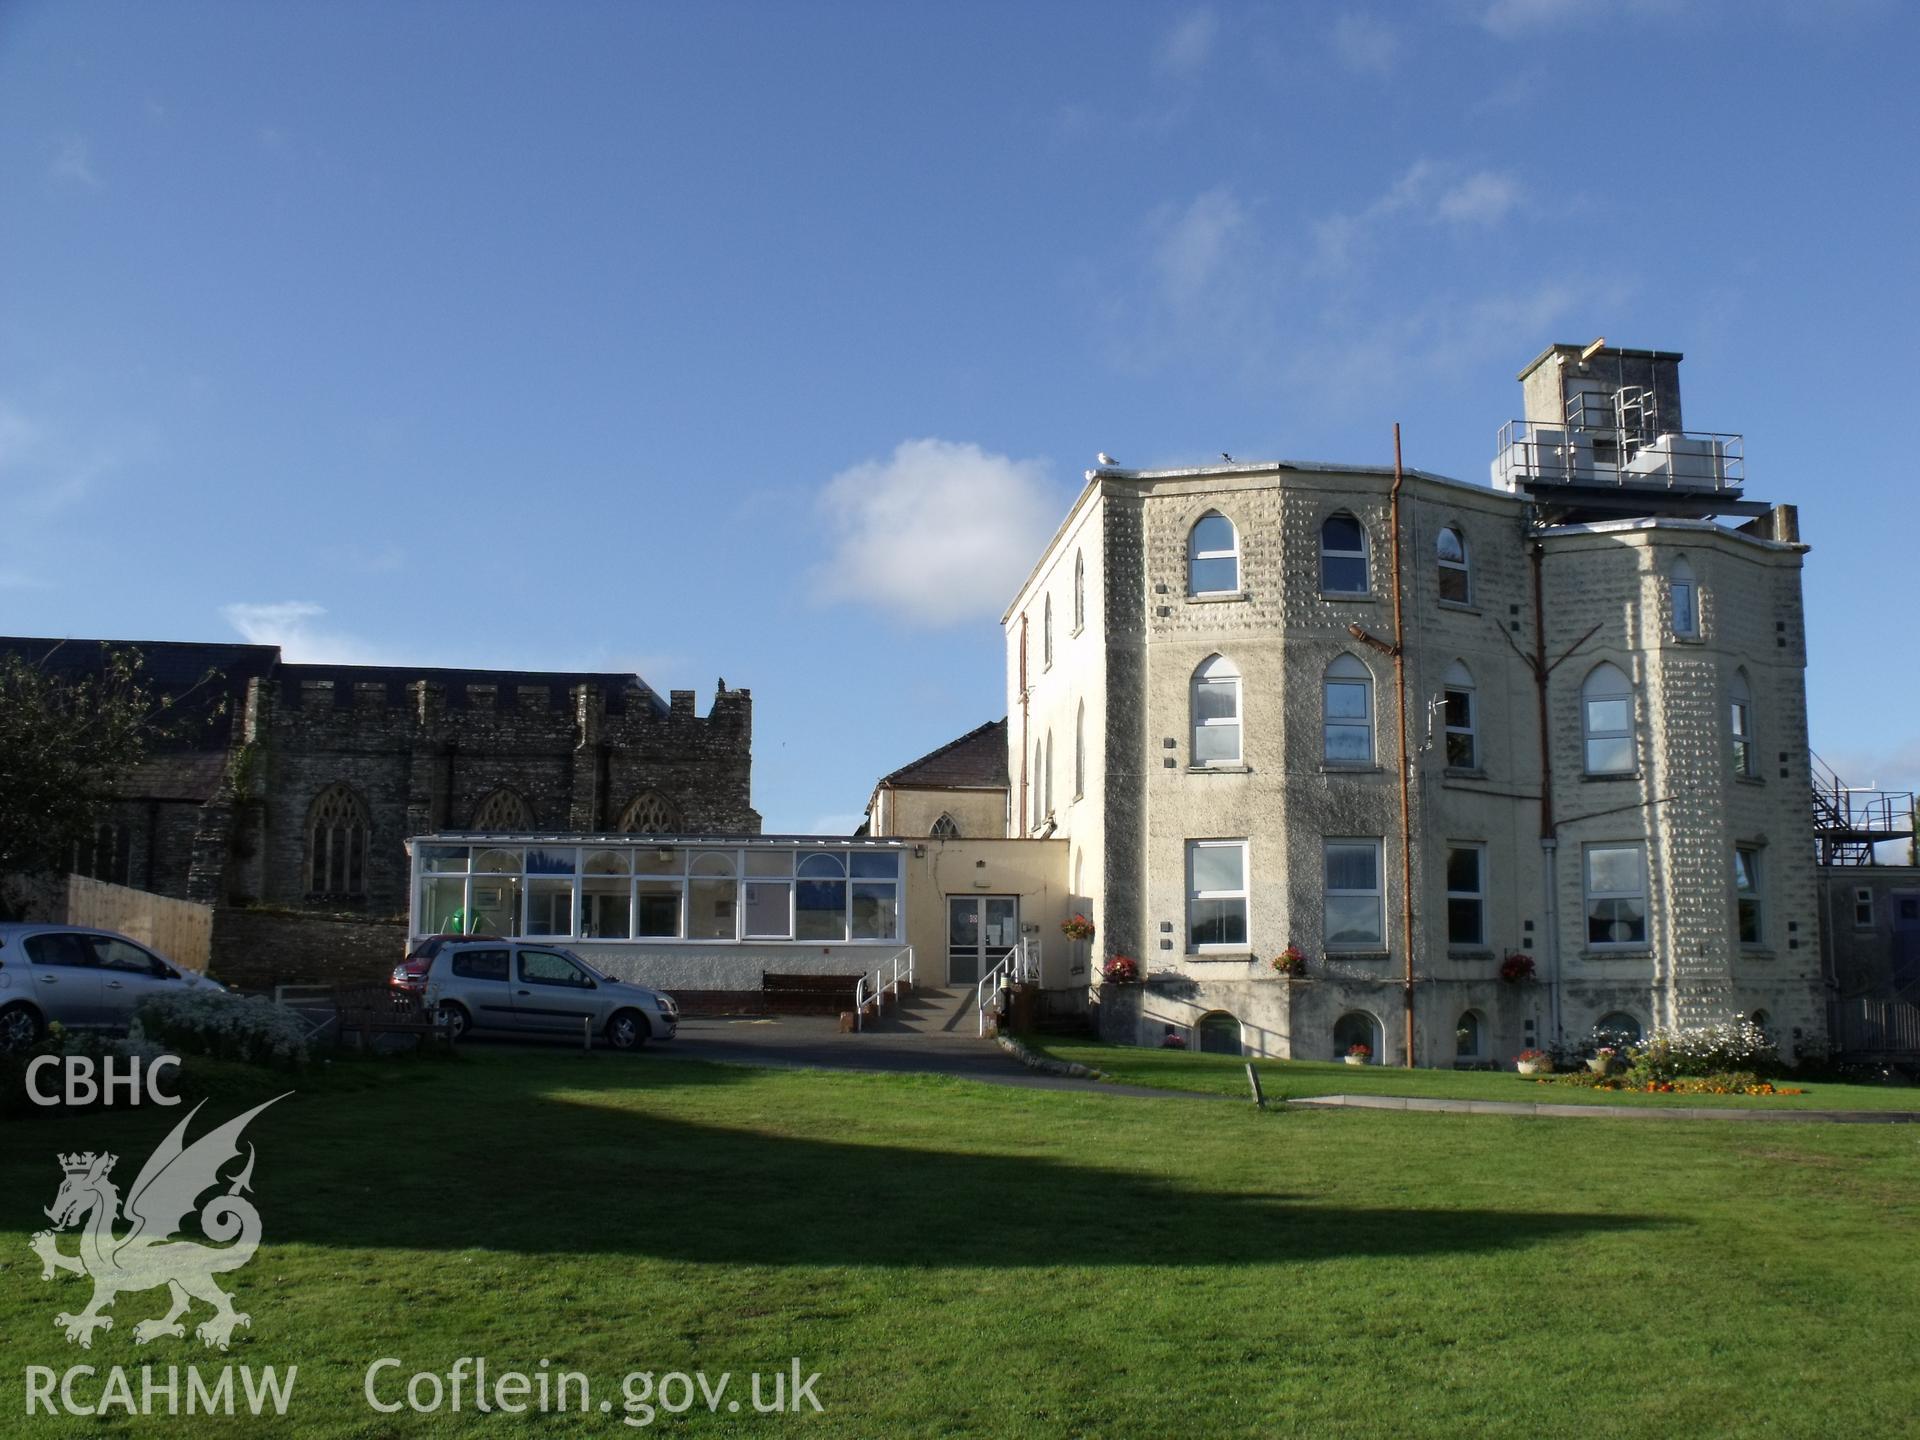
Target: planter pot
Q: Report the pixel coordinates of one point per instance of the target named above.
(1600, 1067)
(1534, 1067)
(1355, 1059)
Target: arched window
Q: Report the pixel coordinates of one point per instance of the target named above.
(337, 834)
(1616, 1028)
(1216, 712)
(1039, 758)
(1079, 591)
(1348, 711)
(503, 809)
(1469, 1037)
(1048, 772)
(1046, 634)
(1343, 556)
(1456, 580)
(1219, 1034)
(649, 813)
(104, 854)
(1461, 713)
(1080, 750)
(1763, 1022)
(1356, 1027)
(945, 828)
(1606, 718)
(1213, 556)
(1740, 724)
(1685, 594)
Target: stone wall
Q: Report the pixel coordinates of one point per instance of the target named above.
(259, 949)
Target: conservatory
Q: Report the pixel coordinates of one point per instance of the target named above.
(646, 890)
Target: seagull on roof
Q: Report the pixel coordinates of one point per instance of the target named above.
(1105, 459)
(1226, 457)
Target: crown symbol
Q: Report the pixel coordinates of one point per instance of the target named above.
(82, 1163)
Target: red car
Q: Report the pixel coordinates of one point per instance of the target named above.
(410, 975)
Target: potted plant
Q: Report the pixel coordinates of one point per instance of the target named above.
(1290, 962)
(1516, 968)
(1534, 1062)
(1173, 1040)
(1603, 1060)
(1121, 970)
(1359, 1054)
(1077, 927)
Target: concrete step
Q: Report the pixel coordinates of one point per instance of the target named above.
(929, 1008)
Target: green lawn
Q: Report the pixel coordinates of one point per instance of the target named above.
(962, 1259)
(1296, 1079)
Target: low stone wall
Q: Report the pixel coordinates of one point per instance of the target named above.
(259, 949)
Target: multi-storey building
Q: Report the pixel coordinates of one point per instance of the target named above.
(1434, 735)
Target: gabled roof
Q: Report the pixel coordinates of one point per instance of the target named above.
(977, 760)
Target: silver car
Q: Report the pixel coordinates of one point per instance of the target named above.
(527, 988)
(84, 979)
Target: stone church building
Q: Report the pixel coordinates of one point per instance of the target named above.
(297, 785)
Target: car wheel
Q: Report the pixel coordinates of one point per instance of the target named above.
(20, 1026)
(627, 1030)
(455, 1019)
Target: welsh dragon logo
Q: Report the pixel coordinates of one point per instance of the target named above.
(146, 1255)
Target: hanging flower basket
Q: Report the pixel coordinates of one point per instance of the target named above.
(1121, 970)
(1290, 962)
(1517, 968)
(1077, 927)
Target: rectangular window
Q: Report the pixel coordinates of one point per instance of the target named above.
(1349, 723)
(1353, 906)
(1466, 895)
(1616, 881)
(656, 909)
(549, 907)
(1863, 908)
(1685, 619)
(606, 907)
(768, 908)
(1216, 894)
(1463, 750)
(1741, 723)
(443, 905)
(1748, 908)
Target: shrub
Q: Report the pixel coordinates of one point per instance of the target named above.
(225, 1027)
(1730, 1046)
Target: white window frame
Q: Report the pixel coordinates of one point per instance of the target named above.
(1079, 591)
(1463, 567)
(1589, 732)
(1740, 727)
(1478, 896)
(1216, 672)
(1080, 751)
(1378, 893)
(1353, 671)
(1590, 895)
(1195, 553)
(1459, 681)
(1684, 590)
(1046, 632)
(1753, 894)
(1363, 554)
(1242, 895)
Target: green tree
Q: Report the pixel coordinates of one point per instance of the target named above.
(66, 741)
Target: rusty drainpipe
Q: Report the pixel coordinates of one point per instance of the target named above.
(1023, 724)
(1406, 759)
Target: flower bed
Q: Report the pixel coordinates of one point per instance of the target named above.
(1735, 1082)
(225, 1027)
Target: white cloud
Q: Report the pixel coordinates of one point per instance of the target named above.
(1484, 198)
(939, 532)
(1426, 193)
(294, 626)
(73, 162)
(1194, 242)
(1186, 48)
(1365, 44)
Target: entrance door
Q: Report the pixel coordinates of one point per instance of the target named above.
(981, 931)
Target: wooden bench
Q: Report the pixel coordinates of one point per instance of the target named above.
(370, 1010)
(809, 994)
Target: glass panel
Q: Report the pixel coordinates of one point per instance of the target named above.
(1349, 744)
(608, 862)
(824, 865)
(1219, 867)
(1342, 532)
(1459, 709)
(710, 909)
(1219, 922)
(1353, 867)
(443, 906)
(1353, 920)
(1463, 870)
(1460, 752)
(882, 866)
(606, 908)
(1212, 532)
(1216, 700)
(820, 909)
(1683, 609)
(1609, 757)
(963, 923)
(1345, 701)
(775, 863)
(659, 862)
(1749, 922)
(1463, 922)
(1003, 923)
(444, 859)
(552, 862)
(1343, 574)
(496, 906)
(712, 862)
(1467, 1036)
(1608, 716)
(1743, 870)
(1453, 585)
(876, 910)
(549, 907)
(1449, 548)
(1216, 742)
(1211, 577)
(656, 905)
(1614, 871)
(544, 967)
(497, 862)
(1616, 922)
(61, 949)
(768, 909)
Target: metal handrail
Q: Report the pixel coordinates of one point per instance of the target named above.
(901, 966)
(1020, 963)
(1534, 450)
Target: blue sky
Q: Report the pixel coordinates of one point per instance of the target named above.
(636, 336)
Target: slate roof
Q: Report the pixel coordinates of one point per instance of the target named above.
(977, 760)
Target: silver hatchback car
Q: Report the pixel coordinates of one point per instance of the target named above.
(82, 978)
(528, 988)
